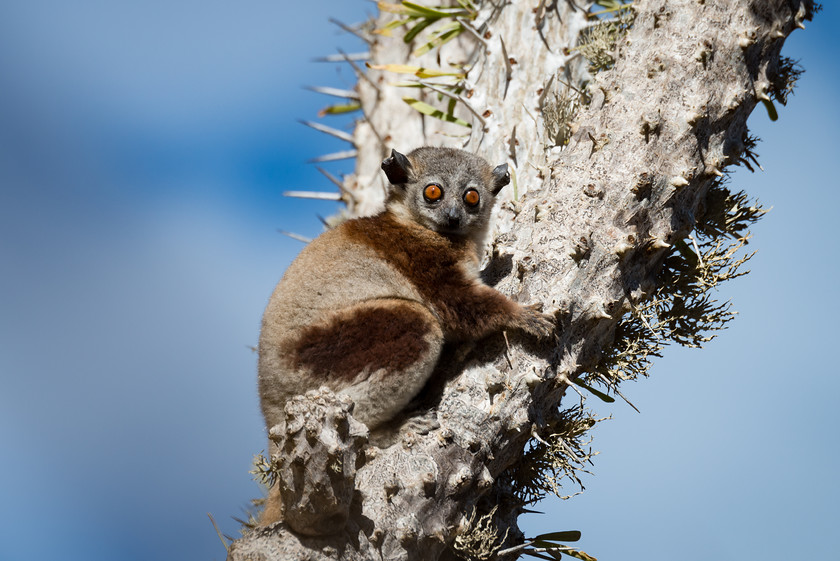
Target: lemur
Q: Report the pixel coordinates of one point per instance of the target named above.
(366, 307)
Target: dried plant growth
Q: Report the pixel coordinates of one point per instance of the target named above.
(480, 540)
(598, 41)
(618, 128)
(559, 110)
(562, 455)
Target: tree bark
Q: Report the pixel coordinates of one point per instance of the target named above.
(585, 233)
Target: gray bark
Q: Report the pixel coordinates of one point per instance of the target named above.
(586, 236)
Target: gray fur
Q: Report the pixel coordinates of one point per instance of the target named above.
(409, 274)
(456, 171)
(335, 275)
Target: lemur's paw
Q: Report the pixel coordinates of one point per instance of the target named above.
(535, 322)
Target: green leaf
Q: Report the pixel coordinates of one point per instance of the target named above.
(599, 394)
(386, 31)
(427, 109)
(771, 109)
(544, 544)
(566, 536)
(450, 106)
(429, 12)
(441, 36)
(340, 109)
(687, 253)
(419, 71)
(400, 9)
(469, 6)
(578, 554)
(412, 33)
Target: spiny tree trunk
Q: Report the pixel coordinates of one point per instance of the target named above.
(599, 206)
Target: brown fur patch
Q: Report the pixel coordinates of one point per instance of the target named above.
(432, 262)
(388, 336)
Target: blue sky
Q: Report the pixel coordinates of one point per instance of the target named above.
(143, 150)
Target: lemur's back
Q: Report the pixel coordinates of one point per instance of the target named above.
(333, 274)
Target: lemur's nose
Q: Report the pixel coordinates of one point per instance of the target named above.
(453, 217)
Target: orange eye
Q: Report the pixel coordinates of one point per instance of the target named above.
(471, 197)
(432, 192)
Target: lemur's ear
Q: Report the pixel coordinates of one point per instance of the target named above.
(501, 177)
(397, 168)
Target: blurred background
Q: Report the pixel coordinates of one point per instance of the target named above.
(143, 151)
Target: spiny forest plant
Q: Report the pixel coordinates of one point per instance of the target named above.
(618, 121)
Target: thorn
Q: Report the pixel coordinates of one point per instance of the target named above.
(574, 5)
(344, 57)
(598, 312)
(579, 91)
(597, 143)
(344, 155)
(539, 20)
(535, 435)
(642, 318)
(531, 379)
(352, 30)
(622, 247)
(514, 549)
(658, 243)
(614, 387)
(219, 533)
(335, 92)
(696, 250)
(512, 145)
(508, 67)
(544, 93)
(525, 108)
(466, 25)
(361, 75)
(507, 349)
(336, 181)
(565, 379)
(323, 221)
(346, 136)
(800, 16)
(320, 195)
(693, 118)
(294, 236)
(456, 97)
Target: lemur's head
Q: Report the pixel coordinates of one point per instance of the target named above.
(446, 190)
